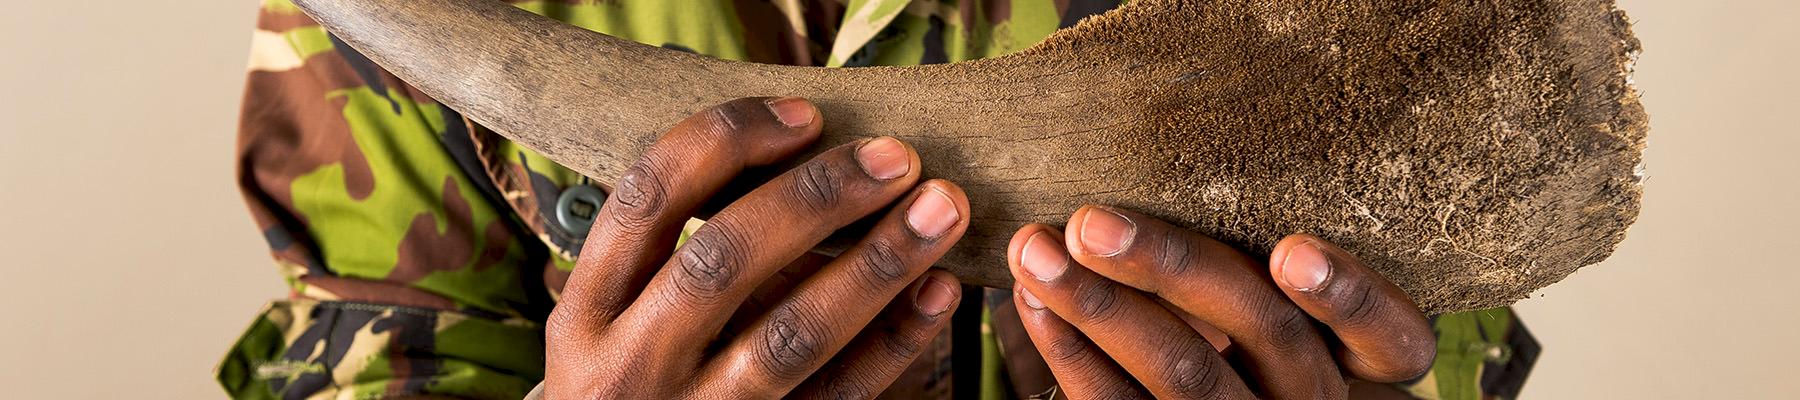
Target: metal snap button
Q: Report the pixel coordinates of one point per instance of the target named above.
(576, 208)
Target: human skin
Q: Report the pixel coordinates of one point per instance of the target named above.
(641, 318)
(731, 314)
(1128, 306)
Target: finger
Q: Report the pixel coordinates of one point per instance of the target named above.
(771, 292)
(1219, 340)
(1024, 367)
(710, 275)
(825, 311)
(1156, 347)
(882, 352)
(1082, 369)
(635, 229)
(1284, 356)
(1386, 338)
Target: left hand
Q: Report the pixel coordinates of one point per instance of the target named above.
(1124, 306)
(729, 313)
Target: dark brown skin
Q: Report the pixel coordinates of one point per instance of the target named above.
(743, 310)
(1128, 306)
(641, 318)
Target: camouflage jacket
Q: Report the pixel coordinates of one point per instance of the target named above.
(423, 252)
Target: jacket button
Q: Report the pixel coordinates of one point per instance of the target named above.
(576, 208)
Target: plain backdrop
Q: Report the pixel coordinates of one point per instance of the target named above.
(128, 263)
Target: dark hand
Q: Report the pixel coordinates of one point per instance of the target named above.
(1118, 308)
(640, 318)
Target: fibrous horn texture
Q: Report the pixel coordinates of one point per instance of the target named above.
(1472, 151)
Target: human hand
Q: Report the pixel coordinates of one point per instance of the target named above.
(640, 318)
(1127, 306)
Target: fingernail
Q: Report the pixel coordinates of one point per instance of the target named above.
(1031, 300)
(935, 296)
(1106, 233)
(931, 214)
(794, 112)
(1044, 257)
(1305, 268)
(883, 158)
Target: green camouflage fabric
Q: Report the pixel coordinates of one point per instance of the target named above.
(422, 252)
(1481, 355)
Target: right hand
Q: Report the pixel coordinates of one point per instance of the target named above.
(1124, 305)
(640, 318)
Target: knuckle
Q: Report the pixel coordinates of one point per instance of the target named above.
(1357, 306)
(902, 345)
(792, 341)
(710, 261)
(1189, 376)
(1174, 255)
(1117, 389)
(1067, 350)
(852, 386)
(734, 117)
(1282, 325)
(816, 186)
(880, 264)
(1097, 300)
(640, 195)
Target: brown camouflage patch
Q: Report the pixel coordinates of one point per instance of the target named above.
(423, 250)
(768, 37)
(554, 279)
(1001, 11)
(281, 139)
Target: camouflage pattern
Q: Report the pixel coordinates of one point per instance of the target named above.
(1482, 355)
(305, 348)
(422, 251)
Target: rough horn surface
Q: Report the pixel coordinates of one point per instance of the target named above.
(1472, 151)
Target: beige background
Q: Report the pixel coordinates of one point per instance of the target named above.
(129, 262)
